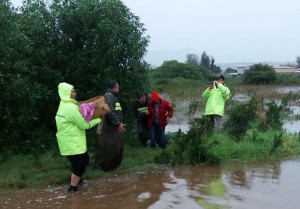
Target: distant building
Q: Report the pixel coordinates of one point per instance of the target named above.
(242, 68)
(281, 69)
(285, 69)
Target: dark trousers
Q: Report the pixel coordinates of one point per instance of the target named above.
(157, 135)
(79, 163)
(143, 135)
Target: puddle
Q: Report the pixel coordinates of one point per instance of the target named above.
(292, 126)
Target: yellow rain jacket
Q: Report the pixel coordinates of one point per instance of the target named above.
(216, 98)
(71, 126)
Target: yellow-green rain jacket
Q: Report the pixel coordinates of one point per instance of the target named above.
(70, 124)
(216, 98)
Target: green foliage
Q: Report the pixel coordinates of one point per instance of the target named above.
(205, 60)
(178, 88)
(49, 168)
(242, 115)
(193, 106)
(259, 74)
(82, 42)
(175, 69)
(254, 115)
(192, 59)
(187, 148)
(230, 70)
(273, 115)
(277, 142)
(201, 145)
(287, 79)
(298, 61)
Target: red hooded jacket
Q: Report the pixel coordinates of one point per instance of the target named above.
(164, 109)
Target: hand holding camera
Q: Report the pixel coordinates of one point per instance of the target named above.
(212, 84)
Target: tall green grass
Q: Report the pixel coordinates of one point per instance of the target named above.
(49, 168)
(179, 88)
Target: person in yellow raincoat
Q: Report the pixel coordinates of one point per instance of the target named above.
(216, 94)
(71, 136)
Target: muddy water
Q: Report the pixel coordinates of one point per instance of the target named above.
(235, 186)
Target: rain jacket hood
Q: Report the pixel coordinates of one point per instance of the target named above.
(64, 91)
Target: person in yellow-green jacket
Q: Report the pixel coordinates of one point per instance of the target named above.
(71, 136)
(216, 94)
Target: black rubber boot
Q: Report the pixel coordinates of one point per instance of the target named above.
(72, 189)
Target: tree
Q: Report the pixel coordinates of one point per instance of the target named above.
(230, 70)
(259, 74)
(214, 68)
(192, 59)
(205, 60)
(21, 92)
(83, 42)
(298, 61)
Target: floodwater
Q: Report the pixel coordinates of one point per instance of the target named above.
(234, 186)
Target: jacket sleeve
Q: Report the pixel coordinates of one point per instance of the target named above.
(75, 116)
(170, 109)
(112, 116)
(206, 94)
(224, 90)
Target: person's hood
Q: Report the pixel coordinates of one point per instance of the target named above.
(64, 91)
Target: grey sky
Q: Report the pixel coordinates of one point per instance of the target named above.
(228, 30)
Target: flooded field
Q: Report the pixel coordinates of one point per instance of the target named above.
(234, 185)
(180, 118)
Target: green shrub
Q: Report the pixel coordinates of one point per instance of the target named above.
(187, 148)
(242, 115)
(260, 74)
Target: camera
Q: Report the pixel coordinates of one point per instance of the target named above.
(213, 83)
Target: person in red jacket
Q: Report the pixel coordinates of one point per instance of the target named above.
(160, 112)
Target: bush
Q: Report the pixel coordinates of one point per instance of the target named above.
(175, 69)
(187, 149)
(260, 74)
(242, 115)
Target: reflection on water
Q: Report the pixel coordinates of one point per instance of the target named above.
(292, 126)
(234, 185)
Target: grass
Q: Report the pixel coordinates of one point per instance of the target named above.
(21, 171)
(179, 88)
(49, 168)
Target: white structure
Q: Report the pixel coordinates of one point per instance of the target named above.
(242, 68)
(285, 69)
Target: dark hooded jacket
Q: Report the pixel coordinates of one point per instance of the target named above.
(110, 150)
(140, 115)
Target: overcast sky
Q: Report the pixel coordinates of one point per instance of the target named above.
(229, 30)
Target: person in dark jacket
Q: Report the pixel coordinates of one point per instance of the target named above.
(109, 153)
(140, 111)
(160, 112)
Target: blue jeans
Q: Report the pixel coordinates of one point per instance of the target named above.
(157, 135)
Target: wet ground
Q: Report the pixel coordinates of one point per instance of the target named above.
(234, 185)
